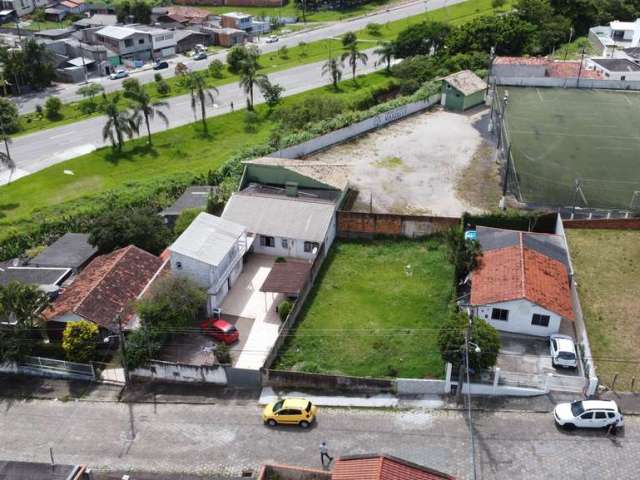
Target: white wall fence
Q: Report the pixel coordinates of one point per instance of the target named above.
(176, 372)
(354, 130)
(550, 82)
(580, 325)
(50, 367)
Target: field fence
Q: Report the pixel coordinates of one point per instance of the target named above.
(551, 82)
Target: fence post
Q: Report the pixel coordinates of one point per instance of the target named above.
(447, 378)
(613, 383)
(633, 383)
(496, 379)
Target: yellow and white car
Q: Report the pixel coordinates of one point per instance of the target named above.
(290, 411)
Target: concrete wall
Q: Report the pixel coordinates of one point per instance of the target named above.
(177, 372)
(362, 224)
(277, 175)
(184, 266)
(519, 320)
(416, 386)
(567, 83)
(347, 133)
(300, 380)
(605, 223)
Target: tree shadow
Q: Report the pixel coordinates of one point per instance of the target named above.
(115, 157)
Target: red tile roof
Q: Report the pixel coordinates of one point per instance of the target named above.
(382, 467)
(191, 14)
(521, 60)
(107, 287)
(518, 272)
(570, 70)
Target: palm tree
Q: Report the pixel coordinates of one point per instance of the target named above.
(334, 68)
(144, 107)
(249, 78)
(5, 158)
(353, 56)
(22, 304)
(200, 93)
(385, 54)
(119, 122)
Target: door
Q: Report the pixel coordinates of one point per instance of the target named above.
(586, 420)
(600, 420)
(287, 415)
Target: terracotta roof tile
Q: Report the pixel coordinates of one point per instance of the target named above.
(517, 272)
(382, 467)
(107, 286)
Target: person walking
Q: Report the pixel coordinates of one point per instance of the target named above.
(324, 452)
(232, 106)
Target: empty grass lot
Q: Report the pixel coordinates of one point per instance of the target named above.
(367, 317)
(607, 265)
(560, 135)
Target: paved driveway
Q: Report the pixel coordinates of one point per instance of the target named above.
(246, 300)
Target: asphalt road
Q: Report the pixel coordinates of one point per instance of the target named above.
(226, 438)
(67, 93)
(39, 150)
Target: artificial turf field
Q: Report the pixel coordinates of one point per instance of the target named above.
(558, 135)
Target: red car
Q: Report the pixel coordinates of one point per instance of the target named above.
(220, 330)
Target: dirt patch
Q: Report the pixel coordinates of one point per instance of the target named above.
(414, 166)
(478, 183)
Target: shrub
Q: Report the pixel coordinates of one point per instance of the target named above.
(223, 354)
(87, 107)
(79, 340)
(172, 302)
(374, 29)
(283, 52)
(143, 345)
(462, 254)
(52, 108)
(15, 343)
(237, 55)
(163, 88)
(451, 341)
(184, 220)
(181, 69)
(215, 68)
(39, 110)
(296, 115)
(131, 85)
(157, 77)
(9, 115)
(284, 308)
(251, 120)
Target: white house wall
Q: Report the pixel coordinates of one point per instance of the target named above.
(295, 248)
(520, 314)
(196, 270)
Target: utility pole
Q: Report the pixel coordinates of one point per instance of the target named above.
(466, 361)
(580, 68)
(123, 350)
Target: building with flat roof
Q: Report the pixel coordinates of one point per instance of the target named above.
(616, 68)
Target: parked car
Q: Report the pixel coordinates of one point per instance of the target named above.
(588, 414)
(119, 74)
(290, 411)
(161, 65)
(220, 330)
(199, 55)
(272, 39)
(563, 351)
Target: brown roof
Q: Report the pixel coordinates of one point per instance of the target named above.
(521, 61)
(382, 467)
(570, 70)
(519, 272)
(287, 277)
(191, 14)
(107, 286)
(466, 82)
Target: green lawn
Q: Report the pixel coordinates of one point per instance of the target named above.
(607, 269)
(182, 149)
(47, 25)
(299, 55)
(367, 317)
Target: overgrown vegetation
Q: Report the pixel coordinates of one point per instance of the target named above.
(79, 341)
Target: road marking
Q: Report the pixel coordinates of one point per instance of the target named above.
(62, 135)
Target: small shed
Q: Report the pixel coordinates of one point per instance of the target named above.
(193, 197)
(462, 91)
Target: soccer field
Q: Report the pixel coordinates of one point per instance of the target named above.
(559, 136)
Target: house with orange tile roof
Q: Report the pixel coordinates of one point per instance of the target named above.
(104, 292)
(357, 467)
(522, 282)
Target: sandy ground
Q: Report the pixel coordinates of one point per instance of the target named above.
(438, 163)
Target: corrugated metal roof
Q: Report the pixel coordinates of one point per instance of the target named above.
(281, 216)
(208, 239)
(113, 31)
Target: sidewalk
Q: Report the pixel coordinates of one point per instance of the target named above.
(27, 387)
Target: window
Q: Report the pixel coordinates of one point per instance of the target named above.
(285, 243)
(623, 77)
(128, 43)
(587, 416)
(611, 414)
(178, 265)
(309, 246)
(266, 241)
(500, 314)
(141, 41)
(600, 415)
(540, 320)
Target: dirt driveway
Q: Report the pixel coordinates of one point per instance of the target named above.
(439, 163)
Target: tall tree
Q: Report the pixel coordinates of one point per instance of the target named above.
(119, 122)
(385, 53)
(353, 55)
(22, 304)
(425, 38)
(333, 67)
(5, 157)
(249, 78)
(200, 94)
(144, 108)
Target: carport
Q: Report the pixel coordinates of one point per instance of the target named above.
(288, 277)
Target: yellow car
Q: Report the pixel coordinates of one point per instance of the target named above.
(290, 411)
